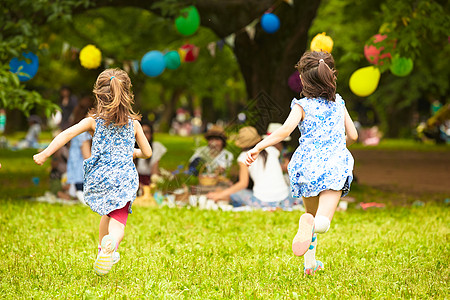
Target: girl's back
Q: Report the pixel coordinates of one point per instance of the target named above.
(115, 143)
(111, 178)
(322, 160)
(322, 129)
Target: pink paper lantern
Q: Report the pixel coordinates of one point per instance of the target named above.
(374, 54)
(191, 53)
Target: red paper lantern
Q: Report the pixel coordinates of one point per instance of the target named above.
(374, 54)
(190, 51)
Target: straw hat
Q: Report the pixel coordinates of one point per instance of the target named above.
(247, 137)
(216, 131)
(272, 127)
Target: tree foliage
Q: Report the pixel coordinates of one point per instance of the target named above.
(20, 23)
(419, 28)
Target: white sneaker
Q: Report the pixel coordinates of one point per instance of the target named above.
(116, 257)
(104, 261)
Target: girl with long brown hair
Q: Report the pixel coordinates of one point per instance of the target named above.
(110, 177)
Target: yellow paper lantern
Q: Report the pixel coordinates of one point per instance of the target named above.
(182, 52)
(364, 81)
(321, 42)
(90, 57)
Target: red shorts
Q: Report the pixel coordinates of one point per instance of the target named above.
(121, 214)
(144, 179)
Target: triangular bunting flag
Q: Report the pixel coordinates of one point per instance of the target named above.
(250, 29)
(212, 48)
(230, 39)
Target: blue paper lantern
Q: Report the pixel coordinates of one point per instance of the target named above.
(17, 66)
(152, 64)
(172, 60)
(270, 23)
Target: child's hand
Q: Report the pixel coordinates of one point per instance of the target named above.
(252, 154)
(40, 158)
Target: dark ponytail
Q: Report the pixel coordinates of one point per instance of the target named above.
(318, 75)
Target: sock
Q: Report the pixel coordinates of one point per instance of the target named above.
(310, 255)
(100, 248)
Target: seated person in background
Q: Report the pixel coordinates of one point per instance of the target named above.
(148, 167)
(79, 150)
(270, 190)
(214, 156)
(32, 138)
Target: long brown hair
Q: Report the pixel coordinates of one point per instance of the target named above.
(112, 91)
(318, 75)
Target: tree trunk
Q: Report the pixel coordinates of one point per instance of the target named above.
(267, 61)
(169, 110)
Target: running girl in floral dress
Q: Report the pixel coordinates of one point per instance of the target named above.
(110, 176)
(320, 170)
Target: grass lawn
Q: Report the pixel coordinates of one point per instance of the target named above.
(47, 251)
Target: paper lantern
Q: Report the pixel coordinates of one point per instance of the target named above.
(189, 21)
(364, 81)
(374, 54)
(401, 66)
(172, 60)
(90, 57)
(182, 53)
(30, 69)
(322, 43)
(295, 83)
(270, 23)
(189, 52)
(152, 64)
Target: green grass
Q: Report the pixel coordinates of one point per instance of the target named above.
(48, 251)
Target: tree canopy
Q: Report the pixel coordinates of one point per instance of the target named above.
(125, 30)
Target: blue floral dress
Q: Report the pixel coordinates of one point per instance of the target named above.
(110, 176)
(75, 173)
(322, 160)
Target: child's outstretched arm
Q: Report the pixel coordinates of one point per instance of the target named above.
(351, 134)
(296, 115)
(87, 124)
(144, 151)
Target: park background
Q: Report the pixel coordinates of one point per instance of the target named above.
(399, 251)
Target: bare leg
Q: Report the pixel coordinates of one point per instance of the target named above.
(311, 204)
(328, 202)
(116, 230)
(302, 239)
(103, 228)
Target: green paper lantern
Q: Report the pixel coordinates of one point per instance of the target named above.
(364, 81)
(401, 66)
(189, 21)
(172, 60)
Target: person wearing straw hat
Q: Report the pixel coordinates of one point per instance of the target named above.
(269, 189)
(214, 156)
